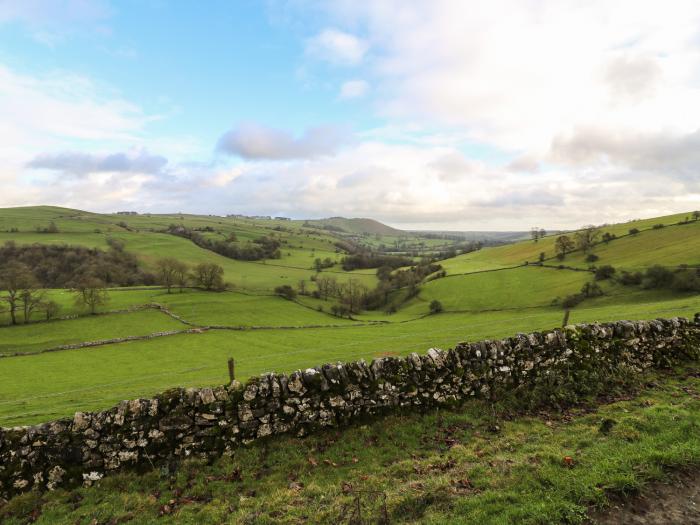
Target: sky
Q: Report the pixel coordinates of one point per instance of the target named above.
(440, 115)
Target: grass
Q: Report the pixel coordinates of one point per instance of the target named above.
(529, 286)
(440, 467)
(517, 253)
(35, 337)
(90, 379)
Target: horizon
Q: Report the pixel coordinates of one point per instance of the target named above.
(549, 229)
(442, 116)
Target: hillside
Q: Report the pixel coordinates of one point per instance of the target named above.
(147, 340)
(357, 226)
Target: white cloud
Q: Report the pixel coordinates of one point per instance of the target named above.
(50, 21)
(353, 89)
(516, 74)
(256, 142)
(337, 47)
(81, 164)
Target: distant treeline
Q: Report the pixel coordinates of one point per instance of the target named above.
(364, 260)
(61, 266)
(261, 248)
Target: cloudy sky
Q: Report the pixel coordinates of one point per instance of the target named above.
(447, 114)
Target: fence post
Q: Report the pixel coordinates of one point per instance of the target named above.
(566, 317)
(231, 369)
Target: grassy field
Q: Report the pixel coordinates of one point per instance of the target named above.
(95, 378)
(641, 247)
(41, 336)
(442, 467)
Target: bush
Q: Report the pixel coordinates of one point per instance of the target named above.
(657, 226)
(630, 278)
(604, 272)
(572, 300)
(435, 306)
(591, 258)
(592, 289)
(686, 281)
(634, 231)
(286, 291)
(657, 277)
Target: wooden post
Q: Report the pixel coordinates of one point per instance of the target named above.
(231, 369)
(566, 317)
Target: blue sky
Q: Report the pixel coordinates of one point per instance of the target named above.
(441, 115)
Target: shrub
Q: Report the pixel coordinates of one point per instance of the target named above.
(592, 289)
(435, 306)
(572, 300)
(657, 277)
(630, 278)
(634, 231)
(604, 272)
(591, 258)
(286, 291)
(657, 226)
(686, 281)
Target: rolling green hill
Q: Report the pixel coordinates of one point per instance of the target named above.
(185, 339)
(358, 226)
(486, 293)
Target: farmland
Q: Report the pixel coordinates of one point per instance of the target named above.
(146, 338)
(265, 332)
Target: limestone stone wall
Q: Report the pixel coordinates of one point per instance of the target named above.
(179, 423)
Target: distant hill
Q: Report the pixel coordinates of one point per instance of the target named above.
(484, 236)
(357, 225)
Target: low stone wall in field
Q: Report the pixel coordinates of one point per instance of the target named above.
(180, 423)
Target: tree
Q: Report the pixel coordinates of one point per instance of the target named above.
(604, 272)
(543, 232)
(352, 295)
(563, 245)
(15, 279)
(535, 233)
(541, 257)
(52, 228)
(634, 231)
(586, 238)
(302, 287)
(50, 309)
(286, 291)
(182, 274)
(90, 293)
(31, 299)
(696, 215)
(170, 270)
(435, 306)
(209, 276)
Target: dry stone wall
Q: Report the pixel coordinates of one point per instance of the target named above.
(207, 422)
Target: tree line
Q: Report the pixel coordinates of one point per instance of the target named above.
(261, 248)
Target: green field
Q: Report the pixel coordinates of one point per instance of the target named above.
(268, 333)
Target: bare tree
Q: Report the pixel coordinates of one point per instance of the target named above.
(31, 299)
(209, 276)
(90, 293)
(182, 274)
(16, 279)
(587, 237)
(563, 245)
(50, 309)
(353, 295)
(167, 272)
